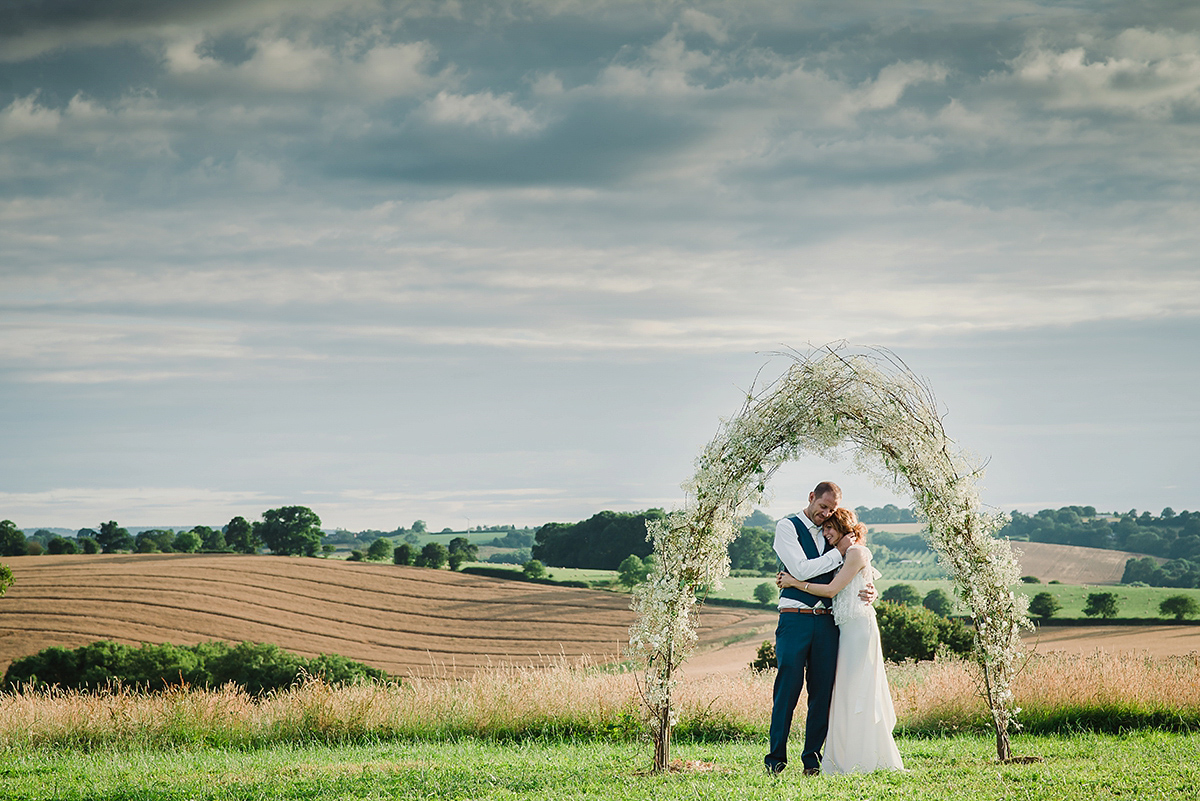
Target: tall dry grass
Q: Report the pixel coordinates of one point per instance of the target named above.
(1057, 692)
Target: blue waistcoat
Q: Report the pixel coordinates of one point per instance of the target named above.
(810, 550)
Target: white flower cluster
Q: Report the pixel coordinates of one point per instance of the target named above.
(829, 401)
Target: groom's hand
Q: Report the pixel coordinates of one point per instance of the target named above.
(868, 594)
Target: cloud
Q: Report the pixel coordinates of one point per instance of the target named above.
(32, 29)
(1138, 72)
(88, 507)
(278, 64)
(200, 198)
(483, 110)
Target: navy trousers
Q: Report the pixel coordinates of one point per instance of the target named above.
(804, 645)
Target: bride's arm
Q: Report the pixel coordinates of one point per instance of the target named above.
(856, 559)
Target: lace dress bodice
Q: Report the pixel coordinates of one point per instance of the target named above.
(846, 604)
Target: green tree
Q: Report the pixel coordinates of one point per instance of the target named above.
(914, 632)
(380, 549)
(186, 542)
(418, 527)
(6, 579)
(153, 540)
(1101, 604)
(534, 569)
(601, 541)
(12, 539)
(766, 593)
(88, 545)
(403, 554)
(241, 536)
(753, 550)
(113, 538)
(434, 555)
(632, 571)
(61, 545)
(1044, 605)
(901, 594)
(290, 531)
(466, 550)
(211, 539)
(1180, 606)
(938, 602)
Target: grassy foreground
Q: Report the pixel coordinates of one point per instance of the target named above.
(1145, 765)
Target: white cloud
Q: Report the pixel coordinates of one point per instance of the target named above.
(24, 117)
(890, 84)
(378, 70)
(1137, 73)
(497, 114)
(698, 21)
(88, 507)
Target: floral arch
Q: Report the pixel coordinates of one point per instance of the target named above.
(830, 400)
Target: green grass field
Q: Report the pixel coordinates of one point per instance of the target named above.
(1132, 602)
(1147, 766)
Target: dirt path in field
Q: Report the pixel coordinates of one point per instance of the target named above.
(1154, 640)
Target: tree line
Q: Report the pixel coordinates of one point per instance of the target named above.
(607, 538)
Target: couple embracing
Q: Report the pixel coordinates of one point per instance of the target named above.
(834, 645)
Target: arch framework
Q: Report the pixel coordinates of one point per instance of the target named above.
(829, 401)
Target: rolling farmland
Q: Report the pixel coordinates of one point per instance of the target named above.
(1072, 564)
(404, 620)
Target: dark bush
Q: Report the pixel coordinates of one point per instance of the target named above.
(255, 667)
(765, 658)
(938, 602)
(902, 594)
(914, 632)
(61, 545)
(1044, 605)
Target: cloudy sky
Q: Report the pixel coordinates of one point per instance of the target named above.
(510, 262)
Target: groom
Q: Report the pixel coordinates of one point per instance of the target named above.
(806, 638)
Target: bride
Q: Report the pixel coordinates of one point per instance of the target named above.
(861, 716)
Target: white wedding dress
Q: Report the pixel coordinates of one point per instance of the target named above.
(861, 715)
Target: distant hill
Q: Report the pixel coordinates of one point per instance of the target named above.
(1073, 564)
(405, 620)
(1070, 564)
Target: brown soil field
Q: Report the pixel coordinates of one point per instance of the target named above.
(1072, 564)
(1156, 641)
(405, 620)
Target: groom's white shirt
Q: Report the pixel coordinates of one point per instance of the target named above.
(788, 549)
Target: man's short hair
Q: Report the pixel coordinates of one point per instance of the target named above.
(828, 486)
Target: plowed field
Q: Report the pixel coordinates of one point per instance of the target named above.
(1072, 564)
(404, 620)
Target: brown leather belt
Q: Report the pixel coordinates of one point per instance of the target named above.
(820, 610)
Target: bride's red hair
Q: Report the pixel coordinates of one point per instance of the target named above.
(846, 522)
